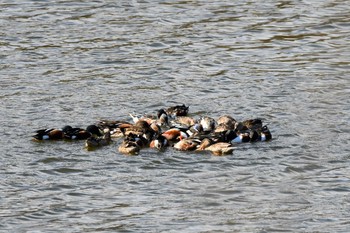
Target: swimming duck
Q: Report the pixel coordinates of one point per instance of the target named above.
(159, 143)
(162, 118)
(82, 134)
(220, 148)
(226, 119)
(113, 126)
(178, 110)
(157, 130)
(51, 134)
(174, 134)
(98, 141)
(207, 123)
(137, 118)
(186, 144)
(195, 130)
(241, 137)
(205, 142)
(254, 136)
(76, 134)
(140, 128)
(265, 134)
(223, 127)
(129, 147)
(183, 133)
(232, 136)
(224, 123)
(116, 133)
(249, 124)
(132, 144)
(184, 121)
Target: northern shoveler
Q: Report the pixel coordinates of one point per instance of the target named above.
(220, 148)
(265, 134)
(174, 134)
(113, 126)
(225, 123)
(186, 145)
(232, 136)
(159, 142)
(98, 141)
(254, 136)
(208, 123)
(252, 124)
(241, 137)
(141, 129)
(162, 118)
(183, 132)
(51, 134)
(129, 147)
(184, 121)
(132, 144)
(178, 110)
(226, 119)
(205, 143)
(82, 134)
(195, 130)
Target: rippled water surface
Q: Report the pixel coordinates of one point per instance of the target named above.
(74, 62)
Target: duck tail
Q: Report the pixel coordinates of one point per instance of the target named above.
(134, 118)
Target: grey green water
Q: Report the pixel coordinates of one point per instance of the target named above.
(74, 62)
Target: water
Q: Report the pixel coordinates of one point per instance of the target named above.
(74, 62)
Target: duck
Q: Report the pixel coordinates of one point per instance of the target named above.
(98, 141)
(195, 130)
(82, 134)
(157, 130)
(140, 128)
(184, 121)
(186, 145)
(136, 118)
(116, 133)
(208, 123)
(223, 127)
(220, 148)
(51, 133)
(159, 143)
(248, 124)
(168, 127)
(232, 136)
(162, 118)
(132, 144)
(265, 134)
(226, 119)
(129, 147)
(205, 142)
(241, 137)
(76, 134)
(224, 123)
(113, 126)
(174, 134)
(254, 136)
(177, 110)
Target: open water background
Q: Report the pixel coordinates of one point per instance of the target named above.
(74, 62)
